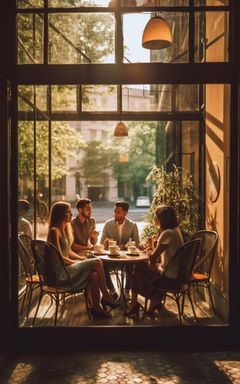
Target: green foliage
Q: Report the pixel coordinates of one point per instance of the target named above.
(81, 38)
(65, 146)
(174, 188)
(97, 161)
(140, 147)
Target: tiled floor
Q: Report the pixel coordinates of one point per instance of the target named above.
(122, 367)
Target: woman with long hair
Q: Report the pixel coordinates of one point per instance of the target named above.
(160, 252)
(83, 272)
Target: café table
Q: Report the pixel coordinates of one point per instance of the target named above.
(119, 262)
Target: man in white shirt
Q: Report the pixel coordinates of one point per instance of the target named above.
(24, 225)
(120, 229)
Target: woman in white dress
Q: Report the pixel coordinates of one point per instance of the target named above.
(165, 246)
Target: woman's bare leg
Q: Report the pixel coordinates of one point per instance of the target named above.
(98, 267)
(93, 291)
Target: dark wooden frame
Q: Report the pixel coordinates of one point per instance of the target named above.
(12, 75)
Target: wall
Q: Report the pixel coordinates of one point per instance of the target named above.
(216, 189)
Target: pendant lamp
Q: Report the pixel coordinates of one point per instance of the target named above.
(156, 34)
(120, 130)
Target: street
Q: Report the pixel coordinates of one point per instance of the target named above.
(103, 213)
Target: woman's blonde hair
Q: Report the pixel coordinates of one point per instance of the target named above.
(57, 216)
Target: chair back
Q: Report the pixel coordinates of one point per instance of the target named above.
(207, 252)
(50, 265)
(26, 257)
(26, 242)
(184, 260)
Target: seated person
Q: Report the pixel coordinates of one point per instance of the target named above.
(169, 241)
(84, 227)
(24, 225)
(120, 229)
(82, 272)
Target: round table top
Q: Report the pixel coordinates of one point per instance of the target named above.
(124, 258)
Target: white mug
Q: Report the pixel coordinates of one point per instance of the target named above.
(99, 248)
(113, 249)
(112, 242)
(132, 249)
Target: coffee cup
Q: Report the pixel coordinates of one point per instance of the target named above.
(132, 249)
(131, 243)
(113, 249)
(112, 242)
(99, 248)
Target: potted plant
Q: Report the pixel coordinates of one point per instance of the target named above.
(173, 188)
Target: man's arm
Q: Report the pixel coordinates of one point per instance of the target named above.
(93, 236)
(79, 248)
(104, 233)
(135, 234)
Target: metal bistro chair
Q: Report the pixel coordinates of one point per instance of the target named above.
(201, 276)
(184, 261)
(31, 276)
(50, 266)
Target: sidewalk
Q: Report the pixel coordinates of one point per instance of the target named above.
(123, 367)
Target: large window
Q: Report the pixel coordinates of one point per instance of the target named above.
(90, 36)
(80, 70)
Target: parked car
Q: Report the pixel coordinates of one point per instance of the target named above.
(143, 201)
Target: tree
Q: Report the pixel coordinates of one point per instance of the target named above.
(174, 188)
(65, 146)
(97, 162)
(140, 146)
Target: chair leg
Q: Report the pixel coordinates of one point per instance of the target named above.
(56, 310)
(183, 304)
(211, 299)
(87, 304)
(39, 302)
(191, 302)
(179, 309)
(24, 297)
(29, 301)
(145, 308)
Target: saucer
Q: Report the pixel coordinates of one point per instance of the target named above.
(96, 253)
(133, 254)
(113, 254)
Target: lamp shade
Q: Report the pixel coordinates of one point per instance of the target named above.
(156, 34)
(120, 129)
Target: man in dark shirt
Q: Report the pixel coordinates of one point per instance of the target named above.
(84, 227)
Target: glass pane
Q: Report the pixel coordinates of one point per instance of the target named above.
(81, 38)
(42, 173)
(77, 3)
(187, 97)
(26, 98)
(190, 149)
(64, 98)
(67, 142)
(165, 97)
(211, 36)
(30, 3)
(153, 3)
(216, 3)
(99, 98)
(176, 53)
(41, 97)
(146, 98)
(30, 38)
